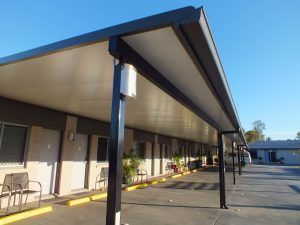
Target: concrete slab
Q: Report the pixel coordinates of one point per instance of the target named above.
(264, 195)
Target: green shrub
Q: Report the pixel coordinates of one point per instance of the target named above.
(177, 158)
(130, 166)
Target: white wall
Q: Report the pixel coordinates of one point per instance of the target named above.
(290, 156)
(147, 164)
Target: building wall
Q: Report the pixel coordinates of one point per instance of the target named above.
(38, 119)
(67, 157)
(31, 155)
(147, 163)
(291, 157)
(156, 162)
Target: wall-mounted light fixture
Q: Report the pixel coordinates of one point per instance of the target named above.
(71, 135)
(128, 80)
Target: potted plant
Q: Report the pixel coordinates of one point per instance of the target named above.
(185, 168)
(177, 157)
(259, 159)
(281, 160)
(130, 166)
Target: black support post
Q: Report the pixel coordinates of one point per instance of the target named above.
(116, 150)
(239, 159)
(233, 163)
(243, 156)
(221, 172)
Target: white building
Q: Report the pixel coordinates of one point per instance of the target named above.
(284, 152)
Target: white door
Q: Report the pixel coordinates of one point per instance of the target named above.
(48, 160)
(79, 161)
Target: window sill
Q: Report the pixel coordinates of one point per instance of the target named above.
(9, 167)
(102, 163)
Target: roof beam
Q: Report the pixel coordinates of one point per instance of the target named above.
(121, 50)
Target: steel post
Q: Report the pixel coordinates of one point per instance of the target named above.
(116, 147)
(233, 163)
(221, 171)
(243, 157)
(239, 159)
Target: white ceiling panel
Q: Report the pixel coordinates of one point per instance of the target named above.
(162, 49)
(79, 81)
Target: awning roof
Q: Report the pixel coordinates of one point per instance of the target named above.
(181, 89)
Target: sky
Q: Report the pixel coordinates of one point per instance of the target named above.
(258, 42)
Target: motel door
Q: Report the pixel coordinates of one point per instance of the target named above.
(48, 161)
(79, 162)
(272, 156)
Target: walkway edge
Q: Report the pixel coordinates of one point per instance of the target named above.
(134, 187)
(25, 215)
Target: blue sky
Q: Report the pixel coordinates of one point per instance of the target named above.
(258, 41)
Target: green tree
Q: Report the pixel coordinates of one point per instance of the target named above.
(252, 136)
(298, 136)
(259, 127)
(256, 133)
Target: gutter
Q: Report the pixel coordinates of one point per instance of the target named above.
(214, 75)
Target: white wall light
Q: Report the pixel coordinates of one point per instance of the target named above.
(71, 135)
(128, 80)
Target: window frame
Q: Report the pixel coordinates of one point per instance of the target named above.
(253, 151)
(28, 131)
(145, 148)
(107, 148)
(170, 152)
(166, 151)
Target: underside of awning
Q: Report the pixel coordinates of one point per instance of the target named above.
(181, 86)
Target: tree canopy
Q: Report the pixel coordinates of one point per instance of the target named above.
(298, 136)
(256, 134)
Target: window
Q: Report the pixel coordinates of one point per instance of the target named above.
(253, 154)
(102, 152)
(181, 150)
(139, 149)
(193, 152)
(12, 144)
(166, 151)
(170, 153)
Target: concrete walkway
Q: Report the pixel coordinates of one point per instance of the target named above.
(264, 195)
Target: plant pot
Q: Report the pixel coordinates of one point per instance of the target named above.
(127, 180)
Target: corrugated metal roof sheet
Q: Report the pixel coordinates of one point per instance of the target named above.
(287, 144)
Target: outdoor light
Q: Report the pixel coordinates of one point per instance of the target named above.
(71, 135)
(128, 80)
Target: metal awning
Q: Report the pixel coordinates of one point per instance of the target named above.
(181, 88)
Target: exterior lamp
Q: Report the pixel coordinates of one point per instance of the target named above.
(128, 80)
(71, 135)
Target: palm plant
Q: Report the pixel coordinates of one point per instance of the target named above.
(177, 158)
(130, 166)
